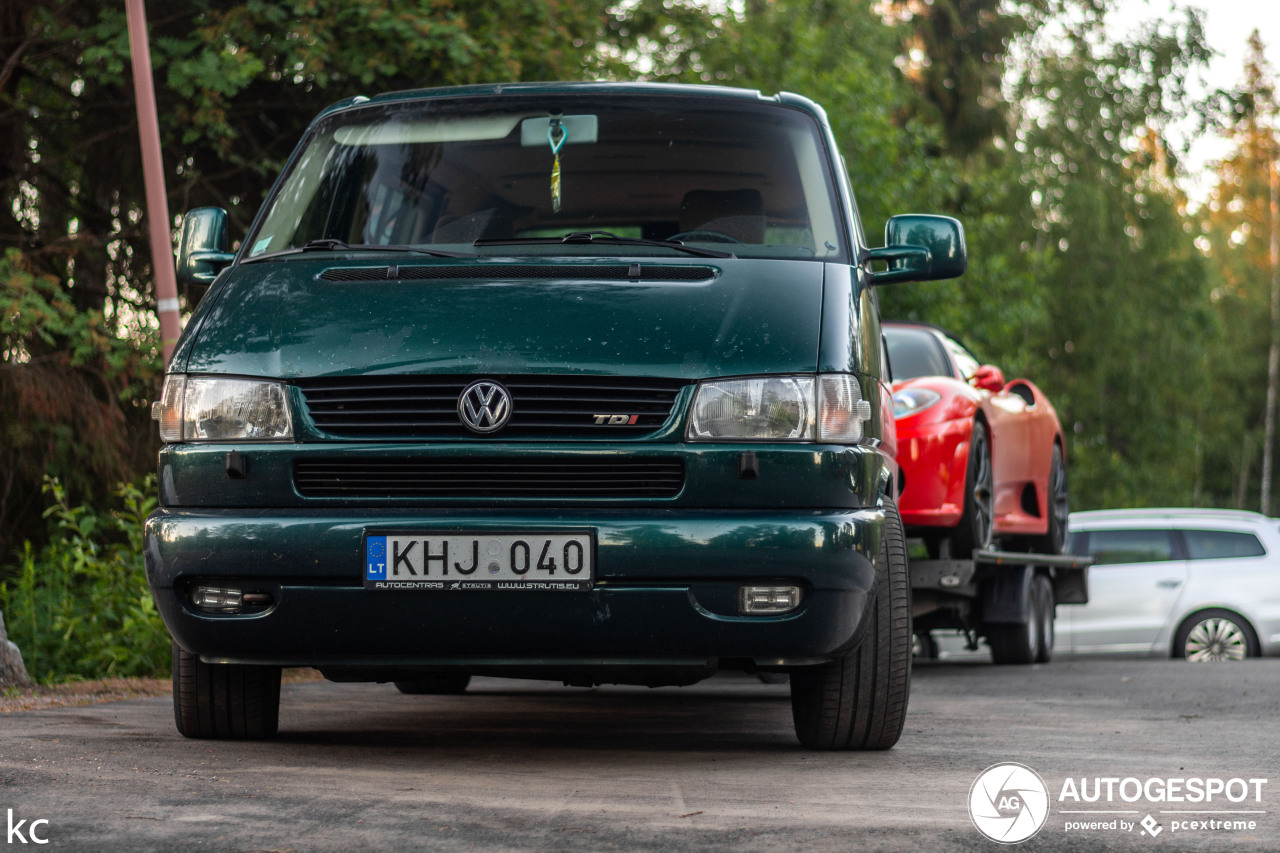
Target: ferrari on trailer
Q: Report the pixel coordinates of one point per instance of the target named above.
(982, 460)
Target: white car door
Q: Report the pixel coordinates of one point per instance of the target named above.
(1134, 585)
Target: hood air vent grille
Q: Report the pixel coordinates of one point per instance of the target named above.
(508, 272)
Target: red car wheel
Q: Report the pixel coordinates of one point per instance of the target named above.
(1054, 541)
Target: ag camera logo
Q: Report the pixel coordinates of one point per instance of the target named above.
(1008, 802)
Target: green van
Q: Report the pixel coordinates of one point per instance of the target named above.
(580, 382)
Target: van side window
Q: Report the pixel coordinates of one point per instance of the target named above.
(1130, 546)
(1221, 544)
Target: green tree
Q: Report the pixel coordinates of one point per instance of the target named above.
(1238, 224)
(956, 57)
(65, 382)
(1128, 328)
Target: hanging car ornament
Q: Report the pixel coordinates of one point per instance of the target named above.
(556, 145)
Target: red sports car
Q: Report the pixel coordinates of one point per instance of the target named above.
(981, 460)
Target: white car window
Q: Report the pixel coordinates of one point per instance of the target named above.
(1221, 545)
(1130, 546)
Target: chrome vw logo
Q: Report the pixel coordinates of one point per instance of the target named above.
(484, 406)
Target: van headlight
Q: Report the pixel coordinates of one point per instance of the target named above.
(827, 407)
(208, 408)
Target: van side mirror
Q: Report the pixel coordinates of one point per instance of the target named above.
(921, 247)
(202, 248)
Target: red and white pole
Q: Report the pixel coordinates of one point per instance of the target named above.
(153, 176)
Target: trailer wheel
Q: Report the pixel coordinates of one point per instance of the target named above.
(859, 701)
(1042, 600)
(924, 646)
(1031, 641)
(1015, 642)
(224, 701)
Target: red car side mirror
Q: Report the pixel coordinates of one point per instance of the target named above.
(988, 378)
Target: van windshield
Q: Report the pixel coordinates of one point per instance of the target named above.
(748, 178)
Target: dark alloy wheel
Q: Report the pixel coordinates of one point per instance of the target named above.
(859, 701)
(436, 684)
(1054, 541)
(224, 701)
(976, 529)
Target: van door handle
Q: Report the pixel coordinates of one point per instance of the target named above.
(1168, 584)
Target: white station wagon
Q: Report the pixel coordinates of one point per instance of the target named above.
(1201, 584)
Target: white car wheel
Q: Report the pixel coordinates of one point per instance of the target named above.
(1215, 636)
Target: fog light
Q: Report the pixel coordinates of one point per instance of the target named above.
(222, 598)
(758, 600)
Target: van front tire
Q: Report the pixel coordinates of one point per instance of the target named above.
(859, 701)
(224, 701)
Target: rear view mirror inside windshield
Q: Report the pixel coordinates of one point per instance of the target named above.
(579, 130)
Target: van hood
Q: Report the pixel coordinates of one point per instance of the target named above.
(302, 317)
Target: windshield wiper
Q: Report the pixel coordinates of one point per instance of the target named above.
(329, 244)
(589, 237)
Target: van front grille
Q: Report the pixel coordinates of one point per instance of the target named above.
(408, 407)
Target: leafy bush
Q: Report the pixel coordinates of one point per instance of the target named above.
(75, 387)
(79, 606)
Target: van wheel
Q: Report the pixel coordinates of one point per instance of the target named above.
(859, 701)
(1215, 635)
(436, 684)
(224, 701)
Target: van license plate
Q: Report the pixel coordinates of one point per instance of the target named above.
(498, 561)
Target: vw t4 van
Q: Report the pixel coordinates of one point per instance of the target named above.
(580, 382)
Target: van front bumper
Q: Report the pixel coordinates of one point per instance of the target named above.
(665, 590)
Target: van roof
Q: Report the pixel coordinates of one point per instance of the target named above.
(687, 90)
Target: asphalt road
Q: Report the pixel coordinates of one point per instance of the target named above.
(534, 766)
